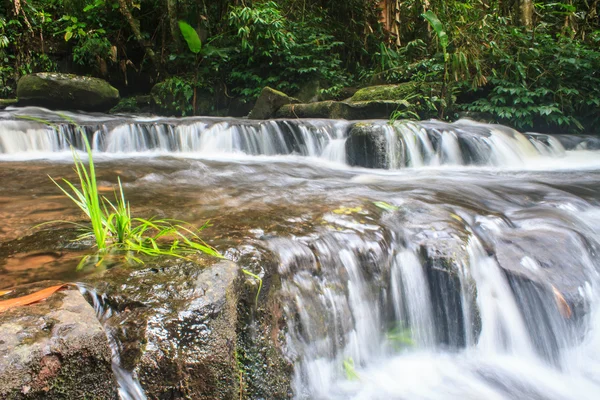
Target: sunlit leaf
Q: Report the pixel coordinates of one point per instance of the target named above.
(35, 297)
(191, 37)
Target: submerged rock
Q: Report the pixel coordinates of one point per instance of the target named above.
(55, 349)
(66, 92)
(269, 101)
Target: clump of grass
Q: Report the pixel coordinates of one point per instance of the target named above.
(112, 227)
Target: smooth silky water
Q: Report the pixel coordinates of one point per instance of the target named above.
(476, 278)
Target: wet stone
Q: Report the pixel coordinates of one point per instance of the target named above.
(55, 349)
(175, 322)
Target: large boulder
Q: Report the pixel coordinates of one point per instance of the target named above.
(269, 101)
(403, 91)
(341, 110)
(175, 322)
(66, 92)
(55, 349)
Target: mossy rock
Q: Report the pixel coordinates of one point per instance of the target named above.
(269, 101)
(320, 109)
(402, 91)
(179, 332)
(366, 146)
(7, 102)
(341, 110)
(66, 92)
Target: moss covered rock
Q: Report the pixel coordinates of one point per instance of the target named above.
(320, 109)
(341, 110)
(366, 146)
(7, 102)
(403, 91)
(66, 92)
(269, 101)
(55, 349)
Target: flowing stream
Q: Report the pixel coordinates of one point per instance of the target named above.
(465, 268)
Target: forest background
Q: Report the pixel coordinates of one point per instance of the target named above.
(531, 65)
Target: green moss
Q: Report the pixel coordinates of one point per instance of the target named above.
(66, 91)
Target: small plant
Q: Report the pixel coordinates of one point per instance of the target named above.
(112, 227)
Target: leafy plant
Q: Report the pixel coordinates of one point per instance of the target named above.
(112, 227)
(191, 37)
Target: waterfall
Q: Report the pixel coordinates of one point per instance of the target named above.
(377, 304)
(129, 387)
(403, 144)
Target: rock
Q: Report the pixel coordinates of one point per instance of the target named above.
(414, 96)
(7, 102)
(341, 110)
(309, 91)
(263, 330)
(385, 92)
(66, 92)
(320, 109)
(366, 146)
(55, 349)
(176, 322)
(268, 102)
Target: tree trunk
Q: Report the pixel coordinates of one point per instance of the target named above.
(173, 25)
(135, 28)
(526, 13)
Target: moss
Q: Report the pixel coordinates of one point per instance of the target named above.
(386, 92)
(66, 91)
(7, 102)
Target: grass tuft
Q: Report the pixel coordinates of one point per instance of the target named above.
(112, 227)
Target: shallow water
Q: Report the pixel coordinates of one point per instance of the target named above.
(475, 280)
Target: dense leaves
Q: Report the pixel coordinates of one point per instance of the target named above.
(531, 65)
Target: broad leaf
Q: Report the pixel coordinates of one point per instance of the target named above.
(191, 37)
(438, 27)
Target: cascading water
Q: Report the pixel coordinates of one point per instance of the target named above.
(464, 265)
(129, 387)
(370, 301)
(405, 144)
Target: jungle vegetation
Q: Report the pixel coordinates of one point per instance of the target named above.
(529, 64)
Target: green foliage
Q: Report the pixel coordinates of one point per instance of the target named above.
(114, 230)
(261, 29)
(542, 80)
(440, 32)
(175, 94)
(350, 370)
(282, 53)
(191, 37)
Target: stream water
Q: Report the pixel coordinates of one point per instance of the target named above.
(465, 269)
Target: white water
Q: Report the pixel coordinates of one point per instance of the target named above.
(341, 319)
(407, 144)
(128, 386)
(362, 293)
